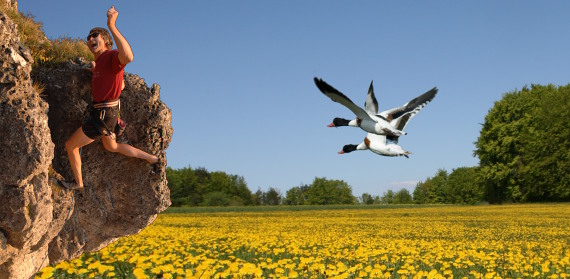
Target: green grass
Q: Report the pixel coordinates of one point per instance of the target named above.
(46, 52)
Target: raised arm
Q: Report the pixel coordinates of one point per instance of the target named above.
(125, 52)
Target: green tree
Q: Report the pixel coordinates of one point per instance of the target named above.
(440, 191)
(545, 171)
(216, 198)
(242, 191)
(257, 197)
(202, 175)
(420, 194)
(403, 196)
(464, 187)
(297, 195)
(233, 186)
(190, 187)
(324, 191)
(185, 188)
(523, 146)
(434, 190)
(388, 197)
(271, 197)
(368, 199)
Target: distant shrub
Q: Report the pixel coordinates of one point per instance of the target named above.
(216, 199)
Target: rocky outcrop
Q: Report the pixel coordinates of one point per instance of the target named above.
(40, 222)
(26, 151)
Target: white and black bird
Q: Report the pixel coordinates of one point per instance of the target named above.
(377, 144)
(367, 119)
(398, 117)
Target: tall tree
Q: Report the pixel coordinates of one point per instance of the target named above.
(388, 197)
(421, 192)
(440, 191)
(185, 188)
(271, 197)
(324, 191)
(216, 198)
(191, 187)
(464, 187)
(434, 190)
(403, 196)
(257, 197)
(367, 198)
(523, 146)
(297, 195)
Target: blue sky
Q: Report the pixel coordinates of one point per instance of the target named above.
(238, 77)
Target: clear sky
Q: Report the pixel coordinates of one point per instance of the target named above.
(238, 77)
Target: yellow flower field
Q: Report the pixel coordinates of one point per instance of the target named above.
(513, 241)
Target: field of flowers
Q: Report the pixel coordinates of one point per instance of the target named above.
(512, 241)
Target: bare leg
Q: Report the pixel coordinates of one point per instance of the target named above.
(111, 145)
(72, 145)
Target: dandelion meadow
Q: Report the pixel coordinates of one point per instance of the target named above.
(508, 241)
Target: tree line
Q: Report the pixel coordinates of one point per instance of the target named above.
(199, 187)
(523, 150)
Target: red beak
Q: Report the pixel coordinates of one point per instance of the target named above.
(331, 125)
(341, 152)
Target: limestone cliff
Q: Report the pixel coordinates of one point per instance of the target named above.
(40, 222)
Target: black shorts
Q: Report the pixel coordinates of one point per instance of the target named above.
(100, 122)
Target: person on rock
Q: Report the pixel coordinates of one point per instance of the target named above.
(107, 83)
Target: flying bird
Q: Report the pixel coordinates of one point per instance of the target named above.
(398, 117)
(377, 144)
(368, 120)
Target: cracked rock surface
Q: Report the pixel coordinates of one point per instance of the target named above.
(40, 222)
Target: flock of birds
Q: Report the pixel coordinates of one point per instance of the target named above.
(384, 128)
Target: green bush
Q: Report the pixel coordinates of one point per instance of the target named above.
(216, 199)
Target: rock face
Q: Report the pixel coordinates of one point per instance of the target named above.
(40, 222)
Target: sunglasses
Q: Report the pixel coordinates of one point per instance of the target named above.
(92, 35)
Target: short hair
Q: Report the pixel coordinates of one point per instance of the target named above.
(106, 36)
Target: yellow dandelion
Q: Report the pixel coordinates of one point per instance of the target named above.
(47, 272)
(139, 273)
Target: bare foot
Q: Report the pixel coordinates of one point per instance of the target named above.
(71, 185)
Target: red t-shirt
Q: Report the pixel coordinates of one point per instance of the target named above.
(107, 77)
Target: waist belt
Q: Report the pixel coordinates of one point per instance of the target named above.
(108, 104)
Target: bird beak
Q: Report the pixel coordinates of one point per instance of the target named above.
(331, 125)
(341, 152)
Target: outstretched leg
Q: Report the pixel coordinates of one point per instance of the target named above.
(113, 146)
(72, 145)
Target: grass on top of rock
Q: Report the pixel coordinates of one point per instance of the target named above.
(46, 52)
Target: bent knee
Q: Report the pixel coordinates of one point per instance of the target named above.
(69, 145)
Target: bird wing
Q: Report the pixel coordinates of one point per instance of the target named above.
(371, 104)
(401, 115)
(340, 98)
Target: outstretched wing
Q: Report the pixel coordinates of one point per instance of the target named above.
(340, 98)
(371, 104)
(401, 115)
